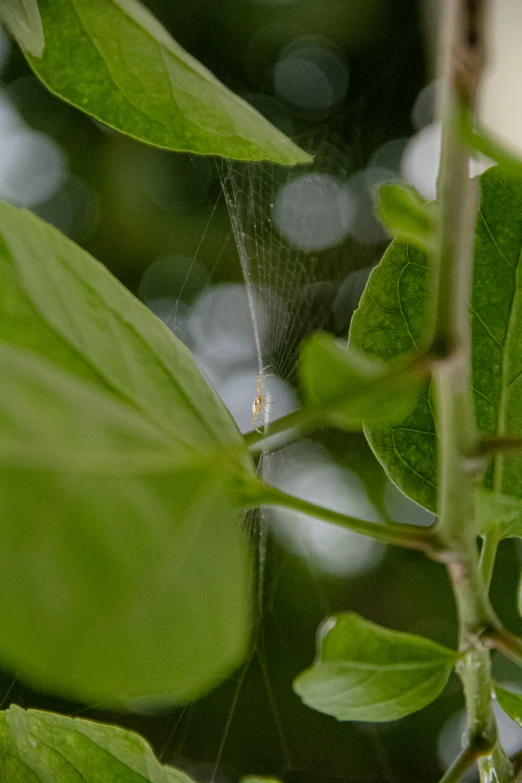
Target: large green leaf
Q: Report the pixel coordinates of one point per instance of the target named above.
(115, 61)
(57, 300)
(23, 19)
(123, 567)
(41, 747)
(366, 672)
(391, 320)
(345, 387)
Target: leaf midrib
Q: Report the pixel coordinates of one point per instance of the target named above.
(504, 381)
(399, 667)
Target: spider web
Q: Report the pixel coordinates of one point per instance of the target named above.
(290, 225)
(291, 289)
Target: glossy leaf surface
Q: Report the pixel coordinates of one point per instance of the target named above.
(22, 17)
(366, 672)
(42, 747)
(115, 61)
(391, 321)
(347, 387)
(118, 466)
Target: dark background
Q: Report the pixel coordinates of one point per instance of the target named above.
(129, 205)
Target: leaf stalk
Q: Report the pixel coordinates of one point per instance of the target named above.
(505, 642)
(479, 140)
(464, 761)
(395, 533)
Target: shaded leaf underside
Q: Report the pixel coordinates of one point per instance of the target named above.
(116, 504)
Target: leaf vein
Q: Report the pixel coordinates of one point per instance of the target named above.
(486, 327)
(494, 241)
(403, 314)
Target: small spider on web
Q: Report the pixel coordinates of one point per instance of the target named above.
(262, 401)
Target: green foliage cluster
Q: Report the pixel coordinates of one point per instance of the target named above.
(124, 477)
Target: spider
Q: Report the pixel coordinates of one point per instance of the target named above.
(260, 401)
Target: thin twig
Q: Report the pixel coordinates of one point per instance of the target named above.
(505, 642)
(488, 447)
(460, 766)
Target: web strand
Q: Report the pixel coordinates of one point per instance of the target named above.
(291, 286)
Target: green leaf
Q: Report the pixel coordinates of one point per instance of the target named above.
(510, 702)
(407, 215)
(391, 321)
(118, 473)
(346, 387)
(115, 61)
(22, 17)
(123, 566)
(57, 300)
(41, 747)
(366, 672)
(497, 513)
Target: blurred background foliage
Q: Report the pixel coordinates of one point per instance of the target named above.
(157, 220)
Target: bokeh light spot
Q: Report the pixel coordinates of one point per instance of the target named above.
(314, 211)
(311, 75)
(306, 471)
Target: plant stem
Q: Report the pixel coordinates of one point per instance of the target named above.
(282, 431)
(456, 421)
(487, 447)
(505, 642)
(460, 766)
(411, 536)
